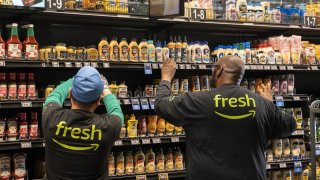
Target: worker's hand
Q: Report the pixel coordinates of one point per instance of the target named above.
(106, 89)
(265, 92)
(168, 70)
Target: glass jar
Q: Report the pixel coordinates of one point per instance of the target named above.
(61, 50)
(50, 53)
(71, 53)
(42, 53)
(80, 53)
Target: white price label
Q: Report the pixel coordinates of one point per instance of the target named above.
(126, 101)
(246, 67)
(182, 66)
(55, 64)
(43, 65)
(68, 64)
(267, 67)
(282, 68)
(283, 165)
(118, 143)
(297, 164)
(44, 144)
(160, 66)
(175, 139)
(135, 142)
(188, 66)
(86, 64)
(94, 64)
(274, 68)
(296, 98)
(317, 146)
(155, 66)
(2, 63)
(202, 66)
(253, 67)
(26, 145)
(26, 104)
(268, 166)
(78, 64)
(156, 140)
(146, 141)
(289, 67)
(106, 65)
(315, 68)
(260, 67)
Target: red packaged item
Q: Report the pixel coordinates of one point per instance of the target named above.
(31, 87)
(33, 129)
(3, 86)
(19, 165)
(2, 48)
(12, 129)
(23, 128)
(30, 45)
(2, 129)
(22, 86)
(5, 167)
(14, 46)
(12, 87)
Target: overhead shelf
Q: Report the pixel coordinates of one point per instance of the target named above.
(27, 144)
(287, 164)
(150, 140)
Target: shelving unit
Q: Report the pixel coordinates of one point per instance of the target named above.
(172, 174)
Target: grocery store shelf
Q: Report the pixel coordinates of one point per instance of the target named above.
(13, 145)
(298, 132)
(9, 104)
(286, 164)
(171, 174)
(150, 140)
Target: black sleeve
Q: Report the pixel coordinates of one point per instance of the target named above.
(178, 110)
(48, 112)
(281, 124)
(114, 124)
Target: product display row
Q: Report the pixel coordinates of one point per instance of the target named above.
(13, 166)
(288, 174)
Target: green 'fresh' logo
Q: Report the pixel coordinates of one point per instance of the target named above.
(76, 148)
(251, 113)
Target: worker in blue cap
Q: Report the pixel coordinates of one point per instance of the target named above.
(78, 141)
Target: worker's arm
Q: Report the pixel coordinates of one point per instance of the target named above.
(59, 94)
(112, 105)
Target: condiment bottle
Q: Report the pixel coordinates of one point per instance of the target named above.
(3, 87)
(169, 129)
(129, 163)
(14, 46)
(178, 50)
(302, 148)
(123, 90)
(290, 79)
(12, 129)
(171, 45)
(169, 160)
(123, 131)
(275, 85)
(204, 83)
(142, 126)
(23, 126)
(92, 53)
(103, 49)
(61, 51)
(283, 85)
(195, 84)
(139, 159)
(178, 159)
(178, 130)
(151, 51)
(22, 86)
(205, 52)
(30, 45)
(114, 88)
(220, 52)
(161, 126)
(5, 171)
(2, 128)
(152, 124)
(295, 148)
(165, 51)
(111, 165)
(196, 53)
(159, 52)
(235, 50)
(160, 160)
(242, 53)
(132, 128)
(134, 50)
(285, 148)
(33, 131)
(114, 50)
(120, 164)
(298, 117)
(124, 50)
(2, 48)
(277, 148)
(175, 87)
(48, 90)
(184, 51)
(19, 165)
(262, 55)
(150, 161)
(278, 57)
(184, 86)
(143, 50)
(248, 53)
(270, 55)
(31, 87)
(12, 87)
(71, 51)
(80, 53)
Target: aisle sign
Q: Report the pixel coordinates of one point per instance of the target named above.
(55, 4)
(147, 68)
(297, 167)
(141, 177)
(198, 14)
(310, 21)
(163, 176)
(26, 145)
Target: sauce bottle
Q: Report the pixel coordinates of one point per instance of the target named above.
(178, 159)
(12, 87)
(197, 53)
(12, 129)
(184, 86)
(235, 50)
(169, 129)
(139, 159)
(178, 50)
(22, 86)
(205, 52)
(111, 165)
(103, 49)
(285, 148)
(278, 57)
(171, 45)
(132, 128)
(2, 48)
(152, 124)
(178, 130)
(195, 84)
(19, 165)
(14, 46)
(123, 90)
(262, 55)
(30, 45)
(2, 128)
(123, 131)
(114, 50)
(169, 160)
(5, 171)
(151, 51)
(228, 51)
(242, 54)
(277, 148)
(142, 124)
(23, 126)
(150, 161)
(161, 126)
(159, 52)
(204, 85)
(175, 87)
(31, 87)
(184, 51)
(120, 164)
(248, 53)
(134, 50)
(3, 86)
(160, 160)
(124, 50)
(33, 131)
(165, 51)
(220, 52)
(143, 50)
(129, 163)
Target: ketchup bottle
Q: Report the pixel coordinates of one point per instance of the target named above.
(2, 48)
(22, 87)
(31, 87)
(30, 45)
(23, 129)
(12, 87)
(33, 131)
(3, 86)
(14, 46)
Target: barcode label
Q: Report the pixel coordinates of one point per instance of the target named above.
(26, 145)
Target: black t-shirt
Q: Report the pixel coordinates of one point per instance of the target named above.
(227, 130)
(78, 142)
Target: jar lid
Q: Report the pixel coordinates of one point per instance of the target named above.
(61, 44)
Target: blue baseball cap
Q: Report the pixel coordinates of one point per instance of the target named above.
(87, 85)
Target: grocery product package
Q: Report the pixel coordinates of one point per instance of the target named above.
(304, 45)
(295, 49)
(231, 10)
(275, 42)
(285, 49)
(310, 54)
(207, 5)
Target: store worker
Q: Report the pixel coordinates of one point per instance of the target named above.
(78, 141)
(227, 128)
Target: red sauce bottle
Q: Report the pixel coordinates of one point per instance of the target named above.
(12, 129)
(2, 129)
(3, 86)
(22, 86)
(12, 87)
(14, 46)
(2, 48)
(30, 45)
(33, 129)
(23, 129)
(31, 87)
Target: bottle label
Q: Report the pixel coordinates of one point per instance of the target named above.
(3, 90)
(198, 55)
(22, 91)
(31, 90)
(12, 91)
(178, 163)
(115, 55)
(2, 129)
(33, 131)
(178, 54)
(271, 58)
(12, 128)
(31, 51)
(262, 59)
(172, 53)
(5, 169)
(2, 50)
(184, 55)
(104, 52)
(23, 131)
(144, 53)
(14, 50)
(206, 56)
(248, 57)
(165, 54)
(134, 53)
(169, 164)
(20, 166)
(124, 53)
(151, 54)
(159, 55)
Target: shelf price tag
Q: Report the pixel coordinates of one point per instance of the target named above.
(279, 101)
(135, 141)
(266, 67)
(283, 165)
(146, 141)
(151, 102)
(2, 63)
(202, 66)
(106, 65)
(155, 66)
(297, 167)
(55, 64)
(188, 66)
(198, 14)
(141, 177)
(156, 140)
(282, 68)
(310, 21)
(94, 64)
(26, 104)
(289, 67)
(194, 66)
(86, 64)
(78, 65)
(126, 101)
(268, 166)
(253, 67)
(163, 176)
(67, 64)
(260, 67)
(55, 4)
(274, 68)
(246, 67)
(118, 143)
(135, 104)
(144, 104)
(26, 145)
(147, 68)
(175, 139)
(296, 98)
(314, 68)
(160, 66)
(182, 66)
